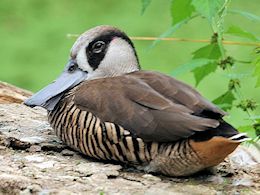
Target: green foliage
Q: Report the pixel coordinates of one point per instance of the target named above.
(249, 129)
(212, 52)
(237, 31)
(190, 66)
(233, 84)
(257, 128)
(213, 57)
(225, 101)
(181, 13)
(247, 104)
(226, 63)
(208, 8)
(201, 72)
(181, 10)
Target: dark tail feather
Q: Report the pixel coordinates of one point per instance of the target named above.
(223, 130)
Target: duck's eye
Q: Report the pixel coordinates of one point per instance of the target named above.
(98, 47)
(72, 67)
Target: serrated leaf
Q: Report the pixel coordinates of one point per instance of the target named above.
(248, 15)
(208, 8)
(237, 31)
(145, 4)
(191, 65)
(201, 72)
(181, 10)
(225, 101)
(211, 51)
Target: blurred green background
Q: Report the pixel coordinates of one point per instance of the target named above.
(35, 46)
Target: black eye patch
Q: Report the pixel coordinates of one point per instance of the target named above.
(96, 50)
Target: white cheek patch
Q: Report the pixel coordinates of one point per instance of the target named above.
(120, 57)
(83, 61)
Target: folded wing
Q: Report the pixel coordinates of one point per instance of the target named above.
(150, 105)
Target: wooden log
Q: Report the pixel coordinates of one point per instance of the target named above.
(12, 94)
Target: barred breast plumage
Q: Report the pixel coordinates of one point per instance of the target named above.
(105, 107)
(86, 133)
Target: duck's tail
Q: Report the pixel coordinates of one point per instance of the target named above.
(224, 130)
(214, 145)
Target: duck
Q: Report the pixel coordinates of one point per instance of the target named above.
(106, 107)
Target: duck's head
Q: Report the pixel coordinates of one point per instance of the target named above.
(100, 52)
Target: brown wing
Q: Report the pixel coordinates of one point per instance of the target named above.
(151, 105)
(180, 93)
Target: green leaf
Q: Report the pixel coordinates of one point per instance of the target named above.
(181, 10)
(247, 129)
(191, 65)
(248, 15)
(208, 8)
(225, 101)
(210, 51)
(201, 72)
(145, 4)
(237, 31)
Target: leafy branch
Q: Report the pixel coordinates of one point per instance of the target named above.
(213, 56)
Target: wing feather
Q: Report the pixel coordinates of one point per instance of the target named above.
(151, 105)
